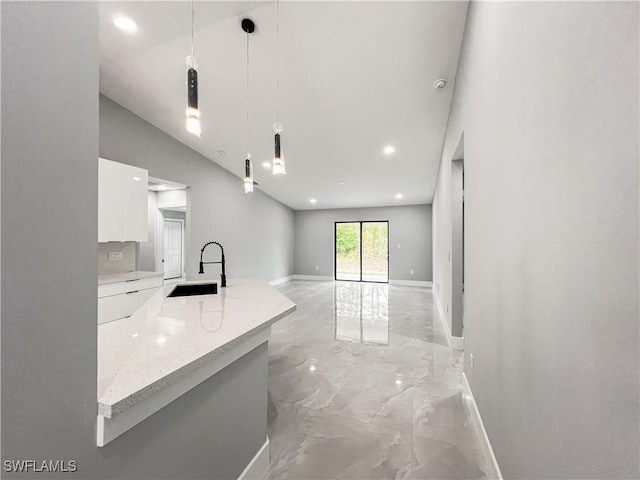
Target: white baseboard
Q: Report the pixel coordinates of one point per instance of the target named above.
(311, 277)
(259, 464)
(412, 283)
(279, 281)
(492, 464)
(457, 343)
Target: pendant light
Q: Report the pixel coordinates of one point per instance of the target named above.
(248, 174)
(278, 157)
(193, 114)
(248, 26)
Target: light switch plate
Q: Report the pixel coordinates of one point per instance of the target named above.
(115, 256)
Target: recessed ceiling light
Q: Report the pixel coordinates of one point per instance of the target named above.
(389, 149)
(313, 200)
(399, 196)
(222, 153)
(137, 179)
(266, 164)
(126, 24)
(340, 182)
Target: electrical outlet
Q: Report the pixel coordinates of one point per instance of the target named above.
(115, 256)
(471, 362)
(411, 272)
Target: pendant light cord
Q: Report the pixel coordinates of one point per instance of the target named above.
(247, 92)
(192, 22)
(277, 60)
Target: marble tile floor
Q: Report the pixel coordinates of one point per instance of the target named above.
(362, 385)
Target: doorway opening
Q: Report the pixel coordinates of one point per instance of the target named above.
(168, 228)
(457, 240)
(361, 251)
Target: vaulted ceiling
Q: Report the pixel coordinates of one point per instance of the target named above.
(355, 77)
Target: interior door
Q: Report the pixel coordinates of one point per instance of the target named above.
(172, 248)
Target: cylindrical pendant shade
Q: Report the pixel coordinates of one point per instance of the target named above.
(278, 157)
(193, 114)
(192, 88)
(277, 141)
(248, 176)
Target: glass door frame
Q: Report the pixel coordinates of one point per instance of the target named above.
(335, 256)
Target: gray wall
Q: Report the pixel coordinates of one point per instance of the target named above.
(255, 230)
(409, 226)
(49, 159)
(49, 278)
(547, 97)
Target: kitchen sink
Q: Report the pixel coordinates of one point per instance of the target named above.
(186, 290)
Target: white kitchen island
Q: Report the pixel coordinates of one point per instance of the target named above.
(171, 345)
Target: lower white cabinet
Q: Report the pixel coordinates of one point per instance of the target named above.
(122, 299)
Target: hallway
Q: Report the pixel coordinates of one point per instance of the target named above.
(362, 385)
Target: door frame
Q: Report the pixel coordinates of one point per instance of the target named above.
(335, 257)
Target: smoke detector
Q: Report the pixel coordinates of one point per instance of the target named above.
(440, 84)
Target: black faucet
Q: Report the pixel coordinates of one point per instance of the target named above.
(223, 276)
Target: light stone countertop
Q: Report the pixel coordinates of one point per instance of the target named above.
(126, 277)
(167, 338)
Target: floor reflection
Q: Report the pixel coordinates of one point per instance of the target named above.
(361, 312)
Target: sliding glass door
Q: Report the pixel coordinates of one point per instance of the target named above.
(347, 255)
(362, 251)
(375, 252)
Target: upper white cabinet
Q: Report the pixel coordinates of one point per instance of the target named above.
(135, 204)
(122, 202)
(109, 201)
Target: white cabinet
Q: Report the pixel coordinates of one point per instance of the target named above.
(109, 201)
(122, 299)
(135, 195)
(122, 202)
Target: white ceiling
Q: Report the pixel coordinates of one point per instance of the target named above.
(354, 77)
